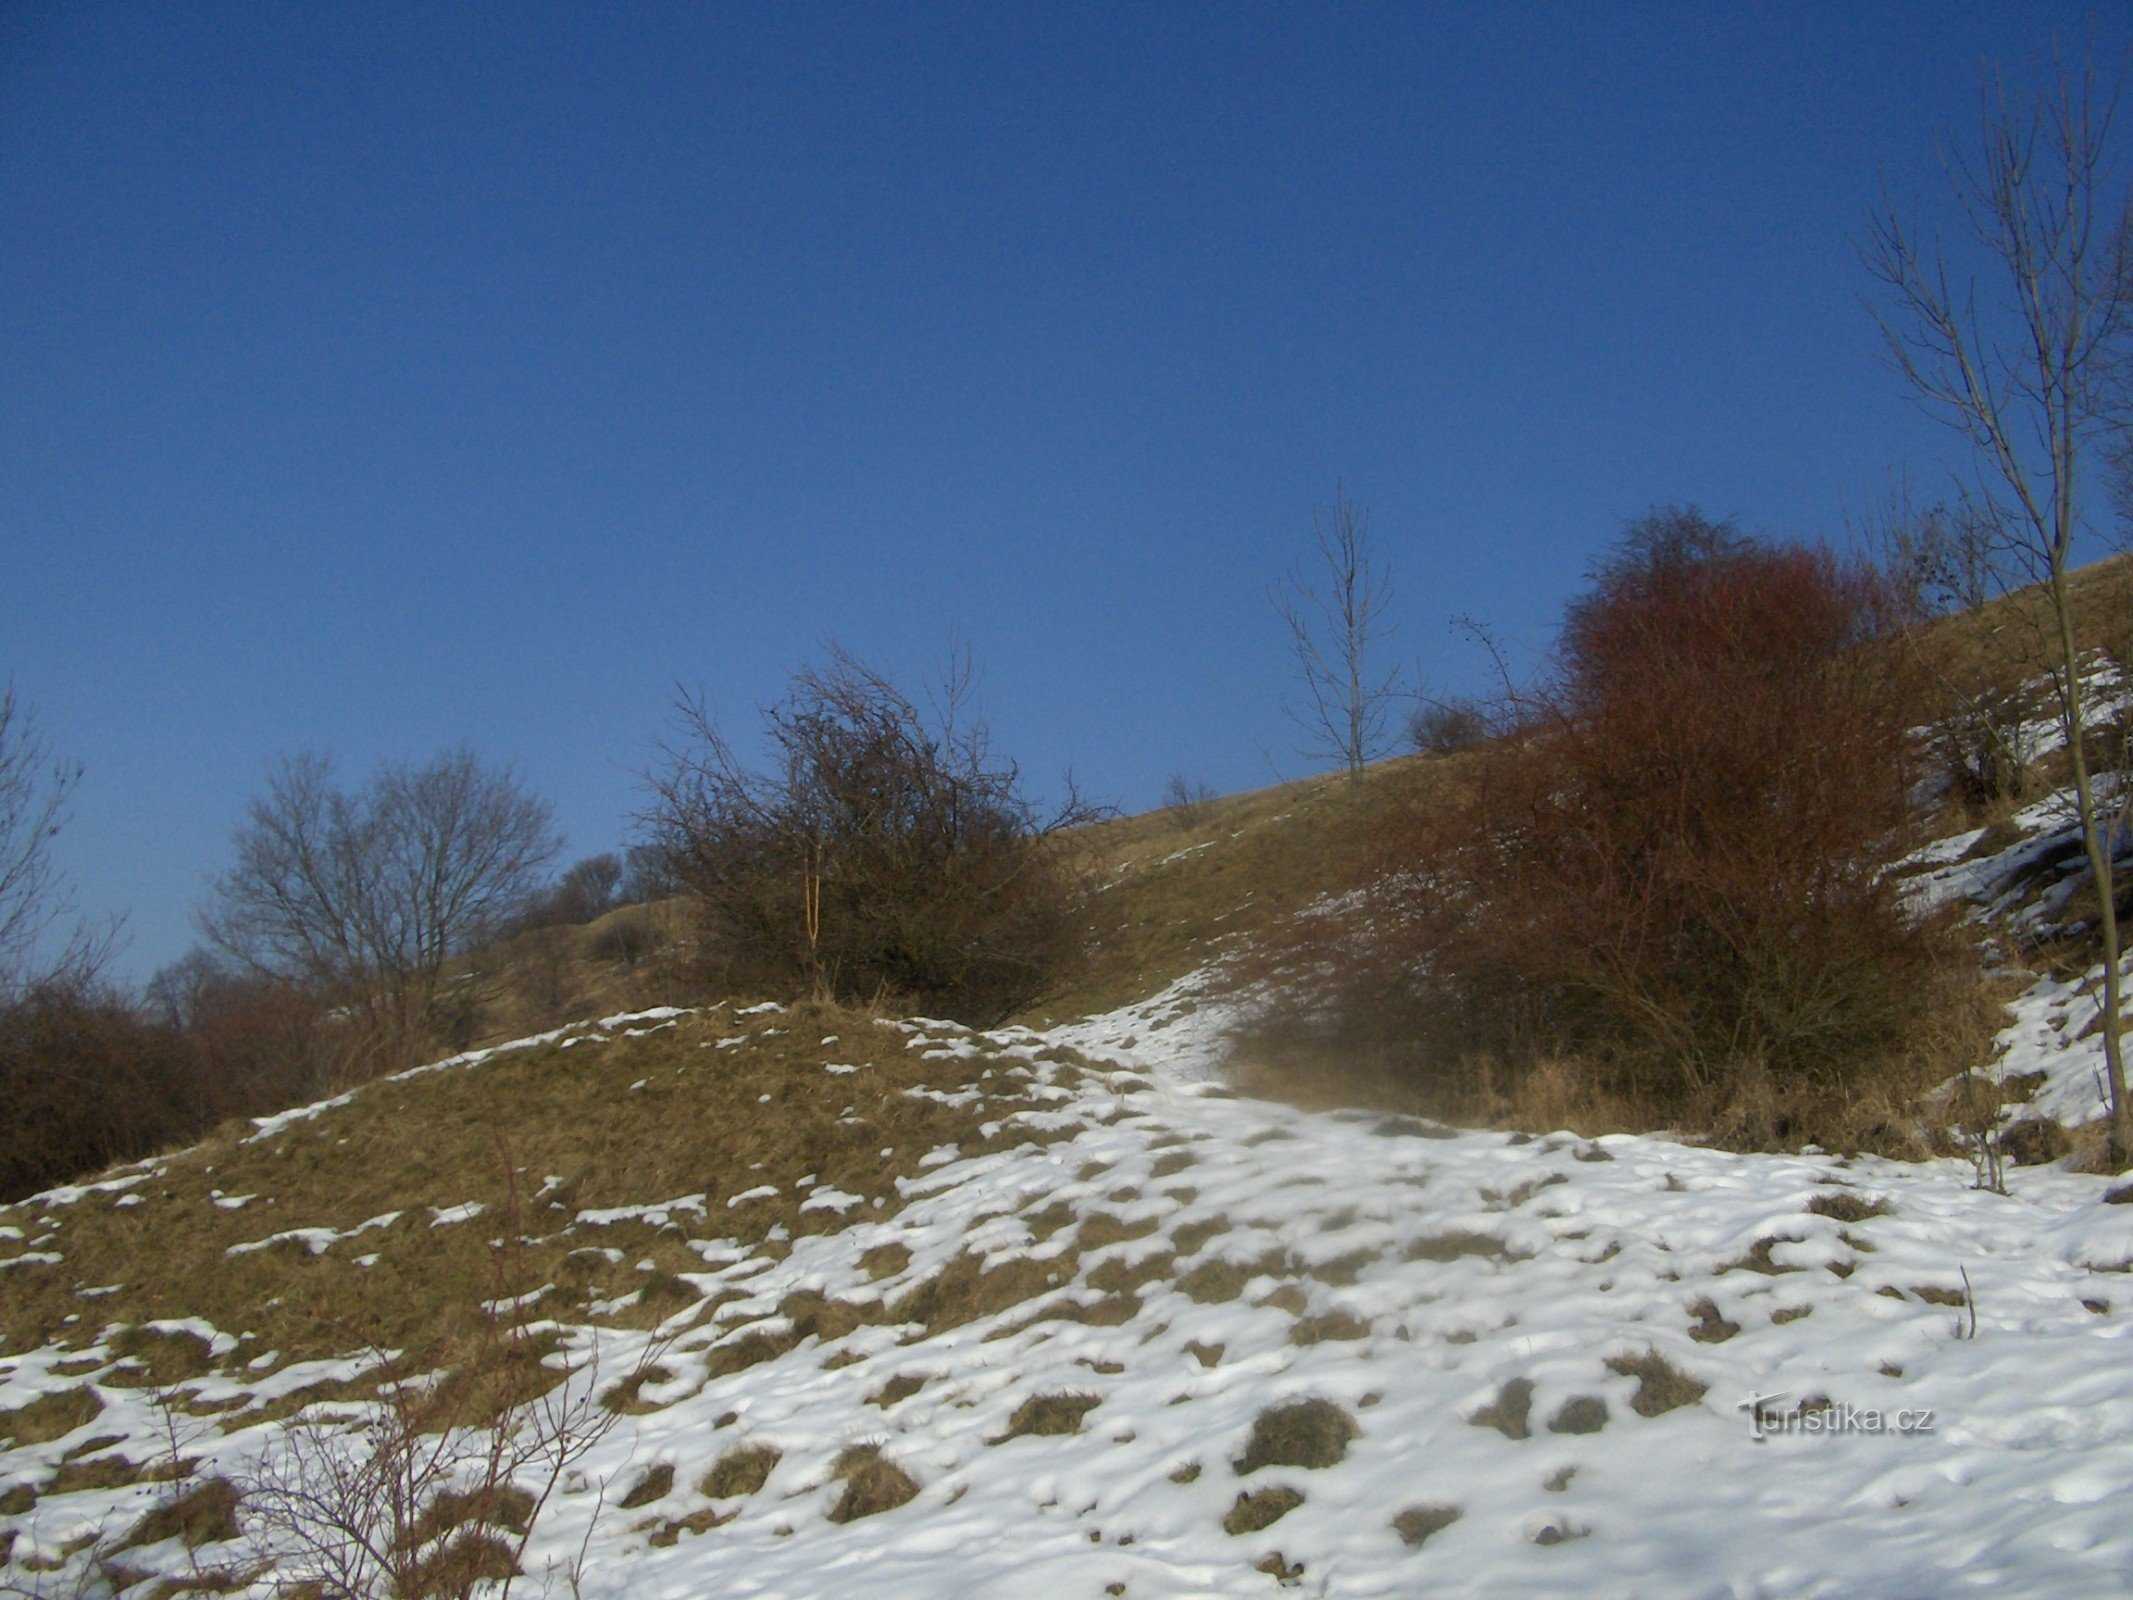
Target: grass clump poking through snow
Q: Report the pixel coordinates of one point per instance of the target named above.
(1583, 1413)
(1509, 1411)
(1661, 1386)
(740, 1471)
(1417, 1523)
(655, 1484)
(205, 1514)
(872, 1484)
(1309, 1433)
(50, 1416)
(1261, 1509)
(1049, 1414)
(1846, 1207)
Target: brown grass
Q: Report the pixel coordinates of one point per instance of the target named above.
(1509, 1412)
(620, 1122)
(1661, 1386)
(1306, 1433)
(1047, 1414)
(1416, 1524)
(1261, 1508)
(872, 1484)
(742, 1470)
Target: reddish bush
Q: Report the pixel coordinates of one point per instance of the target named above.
(1674, 869)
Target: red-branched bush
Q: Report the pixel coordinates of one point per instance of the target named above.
(1673, 870)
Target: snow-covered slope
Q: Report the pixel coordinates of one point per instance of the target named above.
(1551, 1338)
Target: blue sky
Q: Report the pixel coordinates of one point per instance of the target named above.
(375, 377)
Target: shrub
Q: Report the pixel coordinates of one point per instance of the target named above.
(1673, 871)
(881, 854)
(1189, 801)
(1445, 727)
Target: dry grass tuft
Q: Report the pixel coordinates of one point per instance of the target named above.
(204, 1514)
(740, 1471)
(1661, 1386)
(1585, 1413)
(51, 1416)
(655, 1483)
(1417, 1523)
(1846, 1206)
(1307, 1433)
(872, 1484)
(1259, 1509)
(1509, 1412)
(1710, 1327)
(1451, 1246)
(1047, 1414)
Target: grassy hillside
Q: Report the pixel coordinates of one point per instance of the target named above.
(1057, 1310)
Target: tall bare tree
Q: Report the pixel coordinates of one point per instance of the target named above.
(367, 895)
(1334, 608)
(2027, 362)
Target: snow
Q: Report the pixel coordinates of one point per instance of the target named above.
(1589, 1251)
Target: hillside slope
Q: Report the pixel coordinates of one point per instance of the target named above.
(852, 1304)
(1077, 1307)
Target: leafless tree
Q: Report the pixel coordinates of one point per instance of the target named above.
(2028, 366)
(34, 791)
(1334, 608)
(1938, 557)
(367, 895)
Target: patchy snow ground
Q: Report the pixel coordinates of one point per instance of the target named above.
(1245, 1256)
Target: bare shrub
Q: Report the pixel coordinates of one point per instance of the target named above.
(1190, 802)
(1672, 872)
(88, 1082)
(436, 1489)
(883, 853)
(1445, 727)
(364, 896)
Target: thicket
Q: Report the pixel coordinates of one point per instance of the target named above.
(883, 852)
(1668, 881)
(90, 1078)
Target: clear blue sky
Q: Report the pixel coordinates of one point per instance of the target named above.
(374, 377)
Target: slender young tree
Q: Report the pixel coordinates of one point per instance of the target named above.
(2027, 363)
(1334, 608)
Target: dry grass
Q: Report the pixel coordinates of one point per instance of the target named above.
(1047, 1414)
(872, 1484)
(1416, 1524)
(1661, 1386)
(743, 1470)
(1510, 1411)
(542, 1133)
(1259, 1509)
(1307, 1433)
(51, 1416)
(205, 1514)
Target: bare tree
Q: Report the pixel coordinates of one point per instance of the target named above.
(367, 895)
(2028, 367)
(34, 790)
(1937, 557)
(1335, 610)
